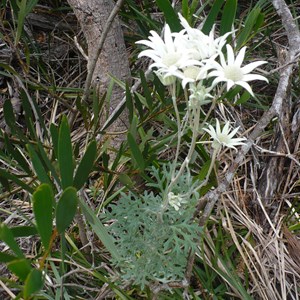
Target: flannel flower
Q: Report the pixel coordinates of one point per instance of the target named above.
(231, 71)
(176, 200)
(169, 55)
(224, 138)
(199, 95)
(200, 45)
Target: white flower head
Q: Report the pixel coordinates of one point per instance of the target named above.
(231, 71)
(200, 45)
(224, 138)
(176, 200)
(169, 55)
(199, 95)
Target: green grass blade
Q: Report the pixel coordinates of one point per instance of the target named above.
(170, 14)
(15, 153)
(66, 209)
(228, 16)
(250, 23)
(65, 154)
(54, 137)
(211, 18)
(38, 166)
(43, 200)
(136, 152)
(7, 237)
(129, 103)
(9, 176)
(86, 165)
(107, 240)
(146, 90)
(48, 163)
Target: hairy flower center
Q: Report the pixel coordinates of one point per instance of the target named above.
(171, 59)
(234, 73)
(191, 72)
(223, 139)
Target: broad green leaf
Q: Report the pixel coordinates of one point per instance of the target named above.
(86, 165)
(211, 18)
(8, 238)
(20, 267)
(244, 98)
(107, 240)
(249, 25)
(43, 200)
(33, 283)
(65, 154)
(228, 16)
(38, 166)
(126, 180)
(136, 152)
(170, 14)
(23, 231)
(4, 257)
(66, 209)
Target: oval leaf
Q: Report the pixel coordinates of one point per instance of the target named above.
(65, 154)
(66, 209)
(20, 267)
(34, 282)
(85, 166)
(43, 200)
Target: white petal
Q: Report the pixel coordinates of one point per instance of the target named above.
(225, 129)
(233, 132)
(246, 86)
(230, 55)
(230, 84)
(248, 68)
(168, 38)
(218, 128)
(250, 77)
(222, 59)
(240, 57)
